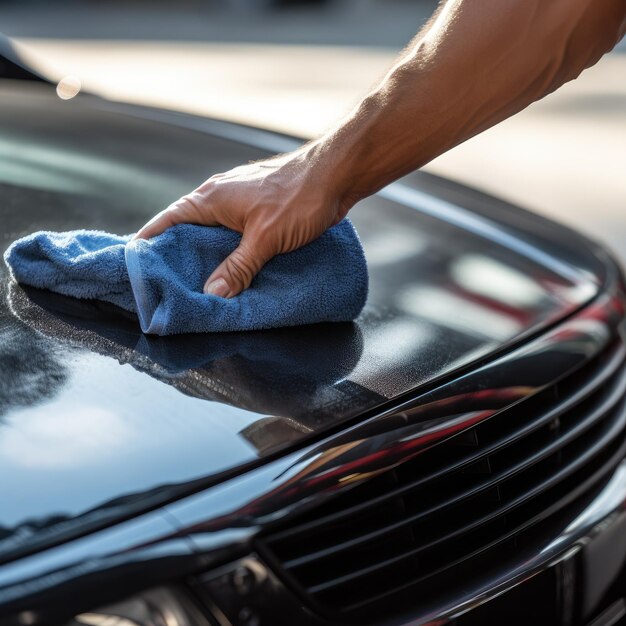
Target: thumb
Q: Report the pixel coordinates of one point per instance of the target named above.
(237, 271)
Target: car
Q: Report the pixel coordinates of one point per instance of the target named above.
(456, 455)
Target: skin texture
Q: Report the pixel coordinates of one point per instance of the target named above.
(475, 64)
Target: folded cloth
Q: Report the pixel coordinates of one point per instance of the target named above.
(161, 279)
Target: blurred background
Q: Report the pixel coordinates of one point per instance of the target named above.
(297, 66)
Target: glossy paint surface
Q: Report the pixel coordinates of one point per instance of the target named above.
(394, 436)
(199, 533)
(98, 421)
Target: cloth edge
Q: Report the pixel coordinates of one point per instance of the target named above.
(138, 287)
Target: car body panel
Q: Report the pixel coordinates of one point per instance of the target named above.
(99, 423)
(219, 525)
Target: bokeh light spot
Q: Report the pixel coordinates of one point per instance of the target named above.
(68, 87)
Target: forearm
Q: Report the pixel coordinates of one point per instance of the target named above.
(479, 62)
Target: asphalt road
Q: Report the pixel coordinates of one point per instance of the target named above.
(299, 70)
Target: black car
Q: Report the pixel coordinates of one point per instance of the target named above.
(456, 455)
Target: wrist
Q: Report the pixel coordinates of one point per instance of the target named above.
(336, 161)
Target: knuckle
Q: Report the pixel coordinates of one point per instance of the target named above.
(168, 216)
(192, 207)
(173, 211)
(191, 202)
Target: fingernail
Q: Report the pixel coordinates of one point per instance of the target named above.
(218, 287)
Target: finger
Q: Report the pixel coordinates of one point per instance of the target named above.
(238, 270)
(159, 223)
(184, 210)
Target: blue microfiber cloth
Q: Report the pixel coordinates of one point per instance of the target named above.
(161, 279)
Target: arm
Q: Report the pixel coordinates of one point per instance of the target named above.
(476, 63)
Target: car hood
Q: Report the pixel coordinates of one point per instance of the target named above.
(98, 421)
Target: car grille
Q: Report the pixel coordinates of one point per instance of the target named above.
(463, 508)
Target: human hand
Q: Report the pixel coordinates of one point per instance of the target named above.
(278, 205)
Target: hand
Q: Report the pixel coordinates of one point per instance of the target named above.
(278, 205)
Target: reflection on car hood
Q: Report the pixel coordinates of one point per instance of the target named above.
(98, 420)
